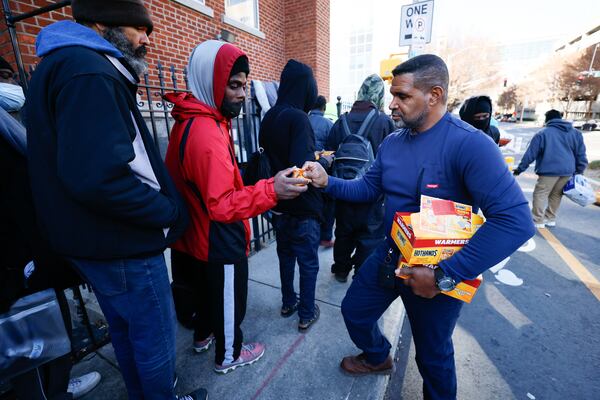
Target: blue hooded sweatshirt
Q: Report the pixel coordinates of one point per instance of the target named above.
(82, 119)
(452, 161)
(558, 150)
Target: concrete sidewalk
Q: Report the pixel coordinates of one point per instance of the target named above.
(295, 365)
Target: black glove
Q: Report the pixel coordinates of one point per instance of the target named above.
(516, 172)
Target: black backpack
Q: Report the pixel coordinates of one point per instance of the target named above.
(258, 167)
(354, 155)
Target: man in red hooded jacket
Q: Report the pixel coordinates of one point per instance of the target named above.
(201, 160)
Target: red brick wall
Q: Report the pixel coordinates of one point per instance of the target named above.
(298, 29)
(307, 37)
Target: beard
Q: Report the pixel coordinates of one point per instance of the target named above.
(135, 57)
(414, 123)
(231, 109)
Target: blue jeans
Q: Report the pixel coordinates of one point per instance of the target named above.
(298, 240)
(135, 297)
(432, 322)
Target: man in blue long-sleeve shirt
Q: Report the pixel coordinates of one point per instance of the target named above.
(436, 155)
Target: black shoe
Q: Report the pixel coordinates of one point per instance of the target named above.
(200, 394)
(342, 276)
(305, 324)
(289, 311)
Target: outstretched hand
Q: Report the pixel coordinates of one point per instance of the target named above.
(316, 173)
(288, 188)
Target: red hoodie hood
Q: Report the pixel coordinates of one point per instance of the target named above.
(186, 106)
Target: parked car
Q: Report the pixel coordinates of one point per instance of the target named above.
(590, 125)
(585, 125)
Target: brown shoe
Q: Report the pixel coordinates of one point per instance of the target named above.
(358, 365)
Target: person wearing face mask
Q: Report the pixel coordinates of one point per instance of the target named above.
(213, 252)
(11, 94)
(477, 112)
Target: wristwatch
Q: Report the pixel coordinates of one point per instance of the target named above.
(443, 281)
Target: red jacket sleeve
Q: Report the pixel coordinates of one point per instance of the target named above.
(208, 164)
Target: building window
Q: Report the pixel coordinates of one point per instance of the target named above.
(244, 11)
(198, 5)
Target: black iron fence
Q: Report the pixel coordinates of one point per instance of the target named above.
(244, 129)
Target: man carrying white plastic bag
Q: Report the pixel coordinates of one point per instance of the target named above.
(559, 153)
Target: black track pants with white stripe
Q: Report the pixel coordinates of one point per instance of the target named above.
(222, 291)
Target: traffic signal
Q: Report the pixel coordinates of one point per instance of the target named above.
(580, 79)
(505, 82)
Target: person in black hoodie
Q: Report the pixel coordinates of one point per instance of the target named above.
(359, 227)
(288, 139)
(103, 196)
(477, 111)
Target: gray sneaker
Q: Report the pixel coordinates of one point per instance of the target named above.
(83, 384)
(251, 353)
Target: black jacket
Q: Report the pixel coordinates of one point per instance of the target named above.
(288, 138)
(380, 128)
(79, 117)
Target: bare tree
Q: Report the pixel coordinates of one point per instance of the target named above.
(472, 65)
(574, 85)
(509, 99)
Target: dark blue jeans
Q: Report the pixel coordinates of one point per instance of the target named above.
(135, 297)
(298, 240)
(432, 322)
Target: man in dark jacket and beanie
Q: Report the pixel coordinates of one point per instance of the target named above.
(359, 226)
(477, 111)
(102, 194)
(288, 140)
(559, 152)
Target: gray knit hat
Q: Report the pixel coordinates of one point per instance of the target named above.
(113, 12)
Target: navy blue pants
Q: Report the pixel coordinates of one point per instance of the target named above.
(135, 297)
(298, 240)
(432, 322)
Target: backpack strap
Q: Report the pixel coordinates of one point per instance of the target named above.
(345, 126)
(191, 185)
(184, 139)
(365, 127)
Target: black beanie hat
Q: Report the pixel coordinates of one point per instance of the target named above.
(240, 65)
(553, 114)
(5, 64)
(113, 12)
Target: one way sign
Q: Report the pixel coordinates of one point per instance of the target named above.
(415, 23)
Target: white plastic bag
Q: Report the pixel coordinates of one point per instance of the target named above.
(579, 190)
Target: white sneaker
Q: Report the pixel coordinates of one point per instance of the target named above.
(551, 224)
(83, 384)
(542, 225)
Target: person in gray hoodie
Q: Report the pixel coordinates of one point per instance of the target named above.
(559, 152)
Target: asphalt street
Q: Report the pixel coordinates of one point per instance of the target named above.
(533, 329)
